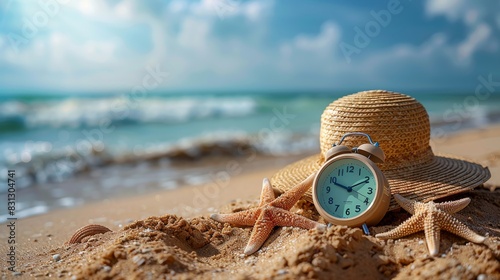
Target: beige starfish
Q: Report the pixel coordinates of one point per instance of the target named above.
(271, 212)
(431, 218)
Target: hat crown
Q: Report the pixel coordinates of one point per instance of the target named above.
(398, 122)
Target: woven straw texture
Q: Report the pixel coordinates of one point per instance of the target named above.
(401, 126)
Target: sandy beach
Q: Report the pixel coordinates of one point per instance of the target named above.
(224, 139)
(168, 234)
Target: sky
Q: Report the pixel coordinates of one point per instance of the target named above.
(71, 46)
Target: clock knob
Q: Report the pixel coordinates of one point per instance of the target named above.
(336, 150)
(372, 152)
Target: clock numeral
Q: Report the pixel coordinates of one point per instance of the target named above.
(333, 180)
(341, 172)
(366, 201)
(359, 173)
(358, 208)
(336, 207)
(330, 200)
(350, 169)
(370, 191)
(328, 189)
(348, 211)
(367, 179)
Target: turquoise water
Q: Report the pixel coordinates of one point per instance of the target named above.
(53, 137)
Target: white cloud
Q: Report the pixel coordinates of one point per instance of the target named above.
(182, 39)
(125, 9)
(310, 60)
(91, 8)
(201, 8)
(100, 51)
(250, 10)
(474, 40)
(311, 46)
(193, 49)
(323, 42)
(254, 11)
(177, 6)
(59, 53)
(452, 9)
(183, 42)
(111, 12)
(477, 18)
(194, 34)
(398, 57)
(471, 17)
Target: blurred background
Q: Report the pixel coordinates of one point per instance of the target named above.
(101, 98)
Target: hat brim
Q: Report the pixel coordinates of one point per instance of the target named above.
(441, 177)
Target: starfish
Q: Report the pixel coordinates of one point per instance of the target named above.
(431, 217)
(271, 212)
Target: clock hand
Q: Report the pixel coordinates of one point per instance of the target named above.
(342, 186)
(360, 194)
(363, 182)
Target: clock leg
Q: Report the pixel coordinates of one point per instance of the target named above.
(365, 229)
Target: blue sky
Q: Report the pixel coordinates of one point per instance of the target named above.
(108, 45)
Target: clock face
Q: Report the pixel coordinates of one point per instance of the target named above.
(346, 188)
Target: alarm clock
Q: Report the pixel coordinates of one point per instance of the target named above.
(349, 189)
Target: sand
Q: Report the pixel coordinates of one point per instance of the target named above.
(169, 234)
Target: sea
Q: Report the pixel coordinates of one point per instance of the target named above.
(68, 149)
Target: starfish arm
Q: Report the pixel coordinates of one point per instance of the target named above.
(261, 230)
(405, 203)
(288, 199)
(432, 232)
(286, 218)
(412, 225)
(453, 206)
(454, 226)
(432, 217)
(267, 193)
(243, 218)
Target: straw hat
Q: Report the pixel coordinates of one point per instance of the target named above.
(401, 126)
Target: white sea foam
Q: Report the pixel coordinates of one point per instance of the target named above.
(36, 210)
(91, 112)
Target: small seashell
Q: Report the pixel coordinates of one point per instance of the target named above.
(86, 231)
(56, 257)
(281, 272)
(138, 260)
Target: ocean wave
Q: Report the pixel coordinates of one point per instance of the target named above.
(40, 162)
(93, 112)
(450, 121)
(56, 144)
